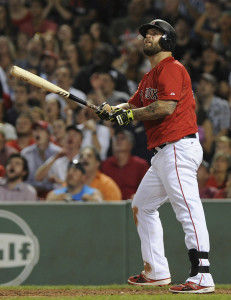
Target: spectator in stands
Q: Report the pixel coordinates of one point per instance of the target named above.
(94, 133)
(104, 88)
(218, 173)
(52, 108)
(188, 49)
(9, 129)
(205, 131)
(133, 65)
(102, 62)
(65, 37)
(124, 30)
(24, 131)
(137, 129)
(76, 188)
(6, 27)
(202, 178)
(64, 80)
(20, 104)
(192, 9)
(226, 193)
(7, 52)
(19, 12)
(123, 163)
(211, 63)
(50, 43)
(217, 109)
(35, 48)
(90, 159)
(222, 40)
(223, 144)
(208, 23)
(100, 33)
(2, 171)
(37, 113)
(170, 11)
(5, 92)
(37, 154)
(21, 46)
(36, 95)
(38, 23)
(86, 43)
(5, 150)
(58, 11)
(49, 62)
(59, 132)
(13, 187)
(73, 57)
(84, 14)
(55, 167)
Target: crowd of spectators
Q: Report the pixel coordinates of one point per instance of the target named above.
(93, 50)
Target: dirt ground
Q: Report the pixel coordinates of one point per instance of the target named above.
(87, 292)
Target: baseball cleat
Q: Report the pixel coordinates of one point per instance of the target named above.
(142, 280)
(191, 288)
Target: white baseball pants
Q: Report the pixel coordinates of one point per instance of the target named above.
(173, 176)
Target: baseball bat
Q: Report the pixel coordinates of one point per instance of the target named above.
(48, 86)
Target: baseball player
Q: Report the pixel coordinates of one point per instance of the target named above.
(164, 102)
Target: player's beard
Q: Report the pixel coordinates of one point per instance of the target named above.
(152, 50)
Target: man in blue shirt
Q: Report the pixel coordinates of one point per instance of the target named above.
(76, 189)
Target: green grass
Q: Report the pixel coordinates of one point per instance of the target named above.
(158, 293)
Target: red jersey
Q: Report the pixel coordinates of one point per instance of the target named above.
(169, 80)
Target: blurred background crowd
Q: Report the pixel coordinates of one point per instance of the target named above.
(54, 149)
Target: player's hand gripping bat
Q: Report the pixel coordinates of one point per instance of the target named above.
(50, 87)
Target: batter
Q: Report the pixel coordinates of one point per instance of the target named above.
(164, 102)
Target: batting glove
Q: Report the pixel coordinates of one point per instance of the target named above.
(121, 116)
(102, 113)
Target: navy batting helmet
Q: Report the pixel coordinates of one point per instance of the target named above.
(168, 39)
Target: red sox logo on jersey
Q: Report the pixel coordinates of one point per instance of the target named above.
(151, 93)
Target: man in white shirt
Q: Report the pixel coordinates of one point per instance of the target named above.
(54, 169)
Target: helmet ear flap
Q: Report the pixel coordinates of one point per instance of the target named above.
(165, 42)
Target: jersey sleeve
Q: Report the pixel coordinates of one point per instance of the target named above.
(136, 99)
(170, 83)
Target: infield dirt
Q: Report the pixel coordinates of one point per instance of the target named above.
(76, 292)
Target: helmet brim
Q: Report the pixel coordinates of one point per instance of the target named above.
(144, 28)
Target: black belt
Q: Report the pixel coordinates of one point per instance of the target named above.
(190, 136)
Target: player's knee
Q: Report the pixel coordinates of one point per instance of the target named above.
(194, 257)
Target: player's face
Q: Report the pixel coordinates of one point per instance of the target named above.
(151, 42)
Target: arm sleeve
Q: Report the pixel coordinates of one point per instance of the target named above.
(136, 99)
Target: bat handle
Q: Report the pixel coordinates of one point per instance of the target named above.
(83, 102)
